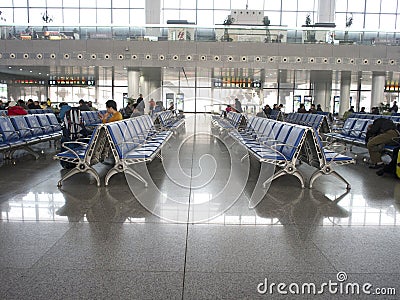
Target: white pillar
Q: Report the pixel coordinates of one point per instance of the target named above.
(378, 88)
(345, 82)
(153, 16)
(133, 83)
(326, 11)
(322, 94)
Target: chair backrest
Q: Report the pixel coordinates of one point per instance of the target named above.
(292, 141)
(358, 128)
(7, 130)
(348, 125)
(21, 126)
(54, 122)
(117, 138)
(45, 124)
(34, 124)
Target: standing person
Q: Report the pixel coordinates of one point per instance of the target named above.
(112, 113)
(152, 105)
(351, 109)
(238, 105)
(139, 99)
(380, 133)
(15, 110)
(394, 108)
(362, 111)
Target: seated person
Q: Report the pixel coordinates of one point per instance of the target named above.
(312, 109)
(380, 133)
(319, 108)
(112, 113)
(15, 110)
(267, 110)
(64, 107)
(302, 109)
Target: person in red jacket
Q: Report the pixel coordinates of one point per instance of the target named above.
(15, 110)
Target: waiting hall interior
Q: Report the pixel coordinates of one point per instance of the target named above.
(162, 149)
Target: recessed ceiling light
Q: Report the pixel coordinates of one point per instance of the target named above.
(20, 69)
(40, 73)
(47, 74)
(9, 67)
(30, 71)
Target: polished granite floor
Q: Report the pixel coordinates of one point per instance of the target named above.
(192, 233)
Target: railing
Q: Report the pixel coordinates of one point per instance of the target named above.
(218, 33)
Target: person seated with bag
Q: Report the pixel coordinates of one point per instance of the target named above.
(380, 133)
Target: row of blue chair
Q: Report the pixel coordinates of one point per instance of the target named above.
(394, 118)
(91, 118)
(354, 132)
(129, 141)
(284, 145)
(167, 120)
(276, 115)
(318, 121)
(233, 120)
(133, 141)
(20, 132)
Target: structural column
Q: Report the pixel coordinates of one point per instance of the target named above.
(345, 82)
(326, 11)
(322, 94)
(133, 83)
(378, 88)
(153, 16)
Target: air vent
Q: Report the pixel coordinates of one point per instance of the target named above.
(175, 57)
(379, 62)
(53, 56)
(311, 60)
(161, 57)
(365, 62)
(134, 56)
(298, 59)
(216, 58)
(39, 56)
(12, 55)
(352, 61)
(257, 59)
(93, 56)
(26, 55)
(203, 58)
(392, 62)
(189, 57)
(284, 59)
(325, 60)
(243, 58)
(230, 58)
(66, 56)
(271, 59)
(148, 57)
(338, 60)
(79, 56)
(107, 56)
(120, 56)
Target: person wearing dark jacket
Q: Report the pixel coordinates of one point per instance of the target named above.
(15, 110)
(380, 133)
(83, 106)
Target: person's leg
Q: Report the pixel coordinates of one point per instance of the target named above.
(376, 144)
